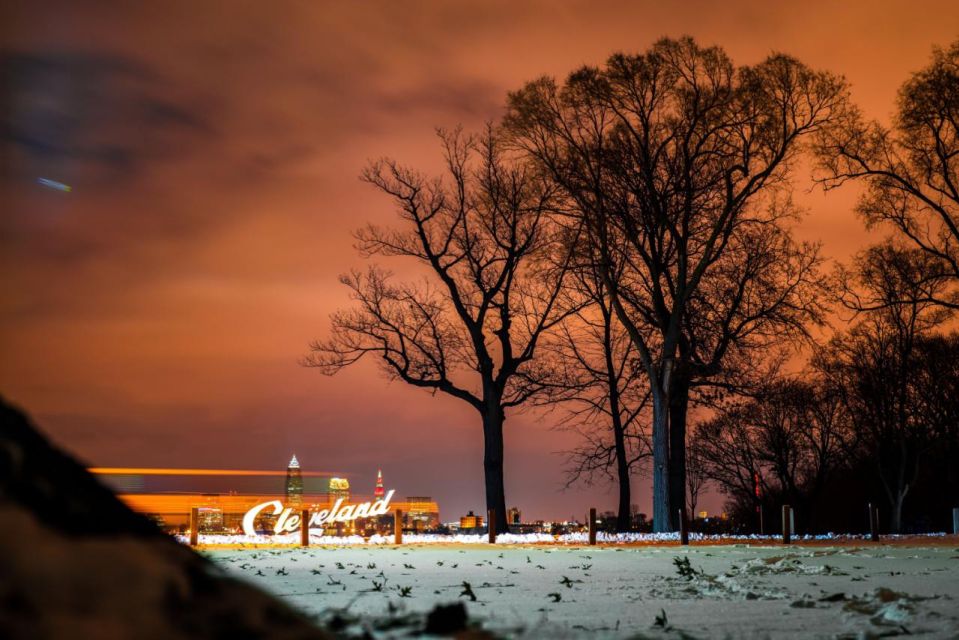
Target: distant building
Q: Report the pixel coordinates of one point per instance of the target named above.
(339, 488)
(379, 491)
(514, 516)
(422, 514)
(294, 482)
(209, 519)
(471, 521)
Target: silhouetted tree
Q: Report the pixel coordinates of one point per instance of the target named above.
(696, 476)
(596, 381)
(791, 436)
(911, 169)
(938, 400)
(485, 235)
(677, 163)
(877, 365)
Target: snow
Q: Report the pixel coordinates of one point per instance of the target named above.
(291, 539)
(853, 589)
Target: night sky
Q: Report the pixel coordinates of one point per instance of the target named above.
(155, 314)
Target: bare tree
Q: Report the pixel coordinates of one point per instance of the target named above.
(496, 266)
(877, 364)
(792, 436)
(938, 400)
(696, 475)
(596, 381)
(677, 161)
(911, 169)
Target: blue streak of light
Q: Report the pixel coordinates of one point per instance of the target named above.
(53, 184)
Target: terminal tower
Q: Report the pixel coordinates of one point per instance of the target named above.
(294, 482)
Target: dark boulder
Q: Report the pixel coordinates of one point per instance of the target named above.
(76, 562)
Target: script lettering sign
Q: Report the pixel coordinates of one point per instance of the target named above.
(288, 522)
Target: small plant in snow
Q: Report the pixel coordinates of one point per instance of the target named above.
(555, 596)
(661, 620)
(685, 569)
(405, 592)
(468, 591)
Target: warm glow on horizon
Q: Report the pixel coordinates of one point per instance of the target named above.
(138, 471)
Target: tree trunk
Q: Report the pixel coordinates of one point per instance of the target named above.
(895, 518)
(623, 518)
(493, 420)
(678, 406)
(662, 519)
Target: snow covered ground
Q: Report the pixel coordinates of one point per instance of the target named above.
(557, 591)
(526, 538)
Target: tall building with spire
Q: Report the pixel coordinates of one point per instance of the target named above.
(379, 491)
(294, 482)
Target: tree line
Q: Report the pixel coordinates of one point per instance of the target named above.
(620, 247)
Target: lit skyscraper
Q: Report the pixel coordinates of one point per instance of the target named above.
(339, 488)
(379, 491)
(294, 482)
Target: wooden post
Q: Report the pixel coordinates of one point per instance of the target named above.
(787, 531)
(398, 527)
(592, 527)
(491, 525)
(683, 527)
(955, 521)
(305, 528)
(194, 526)
(873, 523)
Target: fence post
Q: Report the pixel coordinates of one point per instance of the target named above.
(491, 525)
(683, 527)
(305, 528)
(194, 526)
(787, 532)
(592, 527)
(873, 522)
(955, 521)
(398, 527)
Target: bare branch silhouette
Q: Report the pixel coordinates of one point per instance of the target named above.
(496, 259)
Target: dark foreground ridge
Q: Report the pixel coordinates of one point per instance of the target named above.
(76, 562)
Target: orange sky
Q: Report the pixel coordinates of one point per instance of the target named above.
(154, 315)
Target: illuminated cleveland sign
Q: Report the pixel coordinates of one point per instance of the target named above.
(288, 522)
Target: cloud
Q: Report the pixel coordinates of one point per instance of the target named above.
(91, 115)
